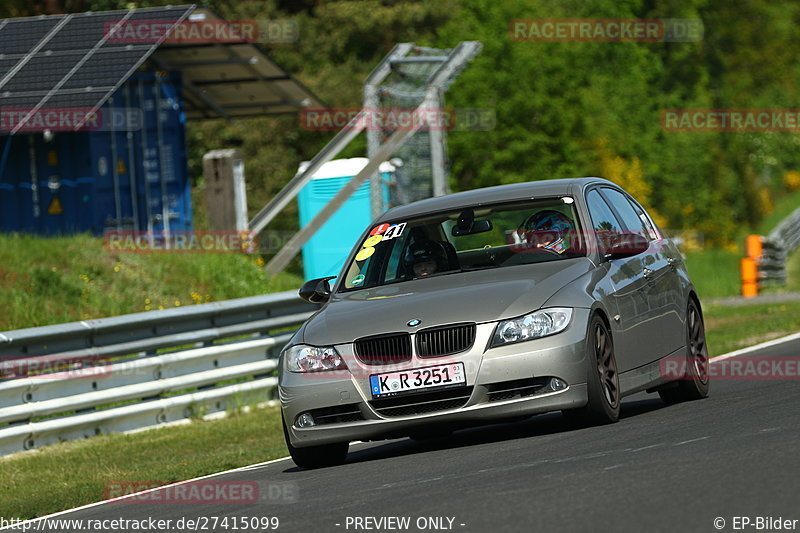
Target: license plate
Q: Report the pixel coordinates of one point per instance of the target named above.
(417, 379)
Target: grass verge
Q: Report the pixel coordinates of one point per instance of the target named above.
(715, 272)
(62, 279)
(70, 474)
(729, 328)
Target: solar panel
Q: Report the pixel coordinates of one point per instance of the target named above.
(231, 80)
(73, 60)
(21, 35)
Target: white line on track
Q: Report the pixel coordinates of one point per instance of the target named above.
(756, 347)
(690, 440)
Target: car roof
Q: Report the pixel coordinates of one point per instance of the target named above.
(492, 195)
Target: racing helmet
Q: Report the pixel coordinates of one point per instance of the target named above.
(549, 229)
(426, 250)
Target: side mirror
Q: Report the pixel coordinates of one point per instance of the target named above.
(316, 291)
(626, 245)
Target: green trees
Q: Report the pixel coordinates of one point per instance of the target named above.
(594, 108)
(563, 109)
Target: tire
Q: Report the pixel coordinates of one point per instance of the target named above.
(316, 456)
(694, 385)
(602, 379)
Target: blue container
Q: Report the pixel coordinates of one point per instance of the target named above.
(131, 176)
(143, 173)
(325, 252)
(59, 212)
(8, 207)
(16, 174)
(85, 201)
(28, 210)
(161, 165)
(54, 161)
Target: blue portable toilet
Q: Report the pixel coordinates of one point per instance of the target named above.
(325, 252)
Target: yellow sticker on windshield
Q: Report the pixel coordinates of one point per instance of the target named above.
(380, 233)
(372, 241)
(364, 254)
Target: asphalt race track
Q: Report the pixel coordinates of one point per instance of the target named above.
(661, 468)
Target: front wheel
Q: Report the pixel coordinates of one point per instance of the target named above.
(602, 379)
(316, 456)
(694, 384)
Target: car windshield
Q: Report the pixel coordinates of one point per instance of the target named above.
(465, 239)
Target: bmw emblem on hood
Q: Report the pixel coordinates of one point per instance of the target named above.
(413, 322)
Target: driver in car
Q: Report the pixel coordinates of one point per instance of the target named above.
(547, 230)
(424, 257)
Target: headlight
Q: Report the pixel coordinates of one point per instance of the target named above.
(302, 358)
(532, 326)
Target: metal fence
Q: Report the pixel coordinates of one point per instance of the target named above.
(81, 379)
(775, 248)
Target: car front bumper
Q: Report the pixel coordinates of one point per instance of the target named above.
(504, 382)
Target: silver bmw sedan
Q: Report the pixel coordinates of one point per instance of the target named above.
(487, 305)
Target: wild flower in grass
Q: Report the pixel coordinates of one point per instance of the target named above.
(177, 303)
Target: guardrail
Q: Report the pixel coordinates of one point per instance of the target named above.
(772, 262)
(81, 379)
(769, 254)
(778, 244)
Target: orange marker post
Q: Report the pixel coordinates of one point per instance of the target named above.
(749, 265)
(749, 272)
(752, 246)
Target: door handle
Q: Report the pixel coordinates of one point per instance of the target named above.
(671, 261)
(646, 272)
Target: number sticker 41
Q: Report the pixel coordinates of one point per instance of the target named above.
(380, 233)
